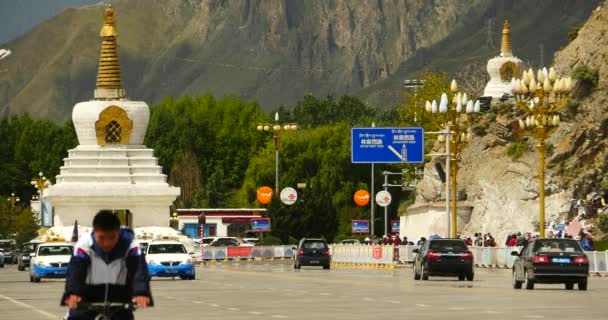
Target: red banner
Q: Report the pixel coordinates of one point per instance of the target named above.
(377, 253)
(239, 251)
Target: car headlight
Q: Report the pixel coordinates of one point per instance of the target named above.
(189, 261)
(41, 264)
(152, 262)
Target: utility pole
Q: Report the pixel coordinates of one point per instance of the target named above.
(373, 195)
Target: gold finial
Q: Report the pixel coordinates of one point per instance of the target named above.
(505, 46)
(109, 83)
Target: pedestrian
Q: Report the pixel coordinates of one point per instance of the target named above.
(397, 241)
(512, 241)
(421, 241)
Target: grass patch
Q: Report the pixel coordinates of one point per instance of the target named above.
(517, 148)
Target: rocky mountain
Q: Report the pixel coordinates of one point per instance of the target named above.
(20, 16)
(503, 189)
(274, 51)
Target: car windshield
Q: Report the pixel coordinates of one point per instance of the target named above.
(556, 246)
(207, 241)
(27, 248)
(55, 251)
(448, 246)
(166, 248)
(314, 245)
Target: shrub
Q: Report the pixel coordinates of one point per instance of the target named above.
(573, 33)
(572, 105)
(586, 74)
(480, 129)
(293, 240)
(270, 240)
(516, 149)
(602, 223)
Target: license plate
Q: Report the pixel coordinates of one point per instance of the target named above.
(59, 272)
(561, 260)
(314, 261)
(171, 271)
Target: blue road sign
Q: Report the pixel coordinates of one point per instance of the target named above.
(387, 145)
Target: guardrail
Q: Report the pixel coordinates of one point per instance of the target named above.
(381, 255)
(246, 253)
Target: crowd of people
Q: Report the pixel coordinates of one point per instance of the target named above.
(387, 240)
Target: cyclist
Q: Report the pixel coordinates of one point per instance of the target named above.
(107, 266)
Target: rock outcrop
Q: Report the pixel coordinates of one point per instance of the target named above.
(503, 191)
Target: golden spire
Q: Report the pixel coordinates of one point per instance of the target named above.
(109, 84)
(505, 46)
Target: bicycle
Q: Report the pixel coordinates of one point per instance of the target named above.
(104, 310)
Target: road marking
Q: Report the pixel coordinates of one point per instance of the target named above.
(394, 302)
(279, 316)
(369, 299)
(533, 317)
(27, 306)
(323, 294)
(255, 312)
(422, 305)
(215, 305)
(456, 308)
(234, 309)
(196, 302)
(492, 312)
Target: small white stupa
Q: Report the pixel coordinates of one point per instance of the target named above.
(503, 68)
(111, 168)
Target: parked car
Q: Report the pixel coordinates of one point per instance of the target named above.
(227, 242)
(1, 259)
(551, 261)
(313, 252)
(170, 259)
(350, 241)
(8, 247)
(23, 259)
(444, 258)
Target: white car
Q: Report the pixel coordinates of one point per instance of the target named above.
(226, 242)
(170, 259)
(50, 260)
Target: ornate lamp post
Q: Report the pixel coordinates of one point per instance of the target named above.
(276, 128)
(12, 200)
(174, 221)
(40, 184)
(541, 97)
(455, 118)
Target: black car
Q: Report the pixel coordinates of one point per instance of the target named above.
(444, 258)
(23, 258)
(313, 252)
(551, 261)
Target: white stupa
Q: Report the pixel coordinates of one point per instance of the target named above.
(503, 68)
(111, 168)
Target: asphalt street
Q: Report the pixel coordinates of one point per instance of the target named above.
(264, 290)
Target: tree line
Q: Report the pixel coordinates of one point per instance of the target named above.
(210, 148)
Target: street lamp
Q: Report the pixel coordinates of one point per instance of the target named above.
(541, 97)
(276, 128)
(174, 221)
(455, 118)
(40, 184)
(13, 200)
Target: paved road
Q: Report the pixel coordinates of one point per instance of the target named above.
(265, 291)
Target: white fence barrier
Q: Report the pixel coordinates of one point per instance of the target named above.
(362, 254)
(485, 257)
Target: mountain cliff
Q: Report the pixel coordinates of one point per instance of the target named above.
(272, 50)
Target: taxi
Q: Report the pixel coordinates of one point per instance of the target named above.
(50, 260)
(169, 258)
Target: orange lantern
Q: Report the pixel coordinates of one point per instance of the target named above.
(264, 195)
(361, 198)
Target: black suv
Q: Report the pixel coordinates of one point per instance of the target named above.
(445, 258)
(313, 252)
